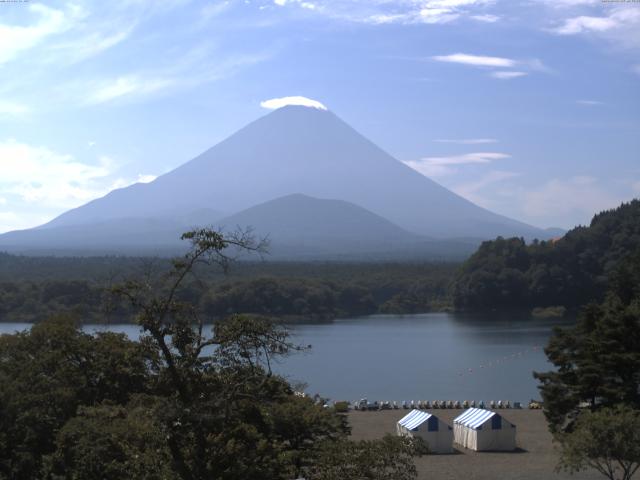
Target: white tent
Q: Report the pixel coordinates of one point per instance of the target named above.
(436, 434)
(479, 429)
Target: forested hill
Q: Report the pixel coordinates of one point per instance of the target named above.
(571, 271)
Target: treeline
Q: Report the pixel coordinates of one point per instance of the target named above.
(287, 290)
(572, 271)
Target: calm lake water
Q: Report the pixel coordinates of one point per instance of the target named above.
(412, 357)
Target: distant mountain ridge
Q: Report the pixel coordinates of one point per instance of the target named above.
(291, 150)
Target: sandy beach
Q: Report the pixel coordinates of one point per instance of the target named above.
(535, 458)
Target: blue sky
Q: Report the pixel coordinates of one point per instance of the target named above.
(528, 108)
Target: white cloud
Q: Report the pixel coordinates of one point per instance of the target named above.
(15, 39)
(440, 166)
(146, 178)
(486, 18)
(507, 75)
(378, 12)
(495, 63)
(38, 184)
(476, 60)
(580, 24)
(570, 3)
(19, 220)
(302, 3)
(275, 103)
(468, 141)
(478, 157)
(13, 109)
(620, 25)
(39, 176)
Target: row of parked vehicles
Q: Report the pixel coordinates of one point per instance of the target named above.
(364, 404)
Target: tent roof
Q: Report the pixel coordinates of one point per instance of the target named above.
(414, 419)
(474, 417)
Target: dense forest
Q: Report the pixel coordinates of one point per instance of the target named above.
(290, 291)
(571, 271)
(502, 274)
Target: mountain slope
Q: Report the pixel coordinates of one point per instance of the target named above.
(308, 225)
(306, 150)
(128, 235)
(293, 149)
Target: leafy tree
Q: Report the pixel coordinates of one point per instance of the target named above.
(607, 440)
(570, 271)
(223, 412)
(390, 458)
(111, 442)
(49, 372)
(598, 361)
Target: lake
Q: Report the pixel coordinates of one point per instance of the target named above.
(435, 356)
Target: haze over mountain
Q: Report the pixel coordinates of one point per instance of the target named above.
(303, 227)
(292, 150)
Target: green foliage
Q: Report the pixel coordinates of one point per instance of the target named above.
(51, 371)
(572, 271)
(597, 361)
(607, 440)
(110, 442)
(290, 291)
(390, 458)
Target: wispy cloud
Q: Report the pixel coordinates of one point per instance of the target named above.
(275, 103)
(13, 109)
(380, 12)
(476, 60)
(496, 63)
(620, 24)
(487, 18)
(15, 39)
(40, 179)
(507, 75)
(37, 174)
(198, 67)
(574, 25)
(440, 166)
(302, 3)
(467, 141)
(478, 157)
(64, 42)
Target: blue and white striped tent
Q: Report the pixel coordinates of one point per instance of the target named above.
(480, 429)
(437, 434)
